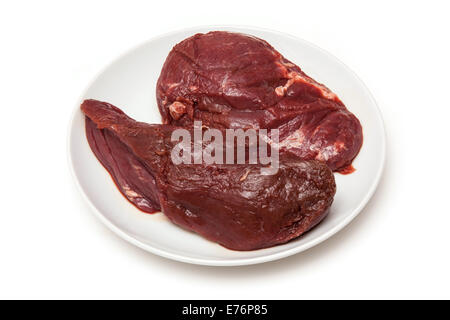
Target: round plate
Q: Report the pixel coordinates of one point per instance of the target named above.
(130, 82)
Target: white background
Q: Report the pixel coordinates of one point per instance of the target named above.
(51, 246)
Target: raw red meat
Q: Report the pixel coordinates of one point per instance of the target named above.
(232, 80)
(233, 205)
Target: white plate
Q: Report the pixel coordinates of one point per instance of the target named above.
(129, 83)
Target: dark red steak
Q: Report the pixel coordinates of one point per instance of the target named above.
(233, 205)
(232, 80)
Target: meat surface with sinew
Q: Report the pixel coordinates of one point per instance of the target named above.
(234, 205)
(232, 80)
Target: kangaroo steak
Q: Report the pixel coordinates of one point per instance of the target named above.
(234, 205)
(232, 80)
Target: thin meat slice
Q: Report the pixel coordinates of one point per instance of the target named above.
(232, 80)
(233, 205)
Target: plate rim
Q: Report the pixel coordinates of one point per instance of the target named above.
(236, 261)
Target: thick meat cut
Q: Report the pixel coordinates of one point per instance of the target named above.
(233, 205)
(232, 80)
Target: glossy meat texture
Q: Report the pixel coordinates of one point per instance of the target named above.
(234, 205)
(232, 80)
